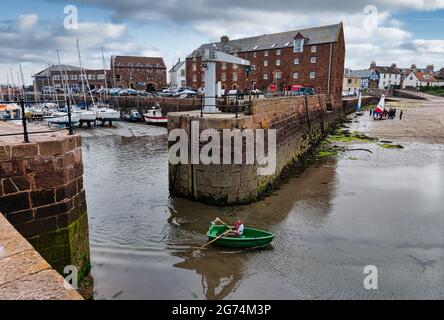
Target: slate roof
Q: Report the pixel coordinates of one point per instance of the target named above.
(361, 73)
(387, 70)
(317, 35)
(56, 68)
(177, 66)
(143, 61)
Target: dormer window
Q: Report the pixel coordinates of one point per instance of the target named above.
(298, 45)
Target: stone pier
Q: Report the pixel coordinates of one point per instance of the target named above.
(300, 123)
(42, 196)
(24, 274)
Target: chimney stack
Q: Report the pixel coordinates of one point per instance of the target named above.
(373, 65)
(430, 68)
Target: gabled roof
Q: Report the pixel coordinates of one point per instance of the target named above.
(56, 68)
(362, 73)
(177, 66)
(133, 60)
(317, 35)
(387, 70)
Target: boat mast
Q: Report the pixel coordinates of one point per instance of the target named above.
(12, 82)
(23, 82)
(48, 77)
(81, 73)
(7, 83)
(61, 75)
(104, 71)
(1, 93)
(86, 78)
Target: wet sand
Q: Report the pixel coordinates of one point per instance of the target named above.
(342, 213)
(422, 121)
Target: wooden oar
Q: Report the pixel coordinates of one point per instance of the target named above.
(226, 232)
(217, 218)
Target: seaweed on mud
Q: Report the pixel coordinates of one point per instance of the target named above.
(390, 146)
(347, 136)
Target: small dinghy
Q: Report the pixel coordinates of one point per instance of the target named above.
(250, 238)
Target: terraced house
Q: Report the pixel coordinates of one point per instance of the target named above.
(308, 57)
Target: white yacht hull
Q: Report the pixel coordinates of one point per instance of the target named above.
(61, 118)
(108, 115)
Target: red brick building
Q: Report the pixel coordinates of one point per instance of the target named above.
(308, 57)
(58, 76)
(139, 73)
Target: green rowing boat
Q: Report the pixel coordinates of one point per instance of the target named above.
(250, 238)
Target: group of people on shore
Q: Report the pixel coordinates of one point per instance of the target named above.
(386, 114)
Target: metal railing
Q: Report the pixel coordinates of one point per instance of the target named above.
(226, 104)
(25, 119)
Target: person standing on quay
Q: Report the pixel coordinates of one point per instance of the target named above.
(400, 115)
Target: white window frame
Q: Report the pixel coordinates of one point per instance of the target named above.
(266, 53)
(265, 76)
(296, 48)
(278, 52)
(313, 49)
(265, 63)
(313, 60)
(312, 75)
(278, 62)
(295, 75)
(296, 60)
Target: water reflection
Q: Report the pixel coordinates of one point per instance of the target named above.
(221, 272)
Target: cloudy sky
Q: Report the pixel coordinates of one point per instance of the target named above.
(400, 31)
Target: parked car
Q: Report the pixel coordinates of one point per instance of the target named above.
(131, 92)
(187, 94)
(303, 91)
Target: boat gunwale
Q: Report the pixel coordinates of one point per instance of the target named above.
(270, 235)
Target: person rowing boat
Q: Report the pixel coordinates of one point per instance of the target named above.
(238, 229)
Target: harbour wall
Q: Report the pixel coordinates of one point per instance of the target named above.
(300, 123)
(24, 274)
(42, 196)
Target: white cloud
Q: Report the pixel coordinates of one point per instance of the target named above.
(26, 21)
(33, 43)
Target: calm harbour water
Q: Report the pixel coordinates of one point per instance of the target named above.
(383, 209)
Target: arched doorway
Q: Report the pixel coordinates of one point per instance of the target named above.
(150, 87)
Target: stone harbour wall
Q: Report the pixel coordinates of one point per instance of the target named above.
(300, 123)
(24, 274)
(42, 196)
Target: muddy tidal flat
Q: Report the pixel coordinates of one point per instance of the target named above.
(379, 206)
